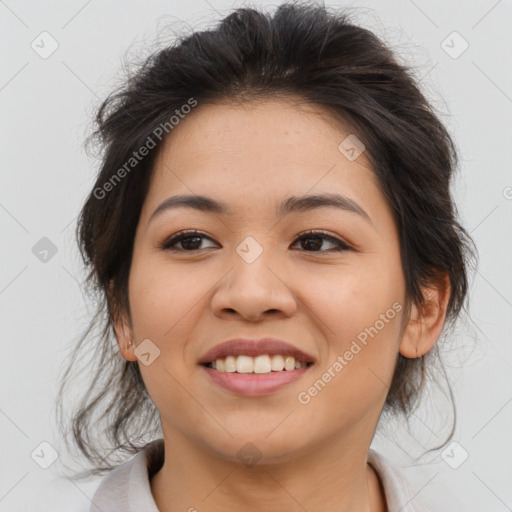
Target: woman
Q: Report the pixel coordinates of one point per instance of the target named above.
(275, 244)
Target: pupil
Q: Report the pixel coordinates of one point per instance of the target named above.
(185, 242)
(316, 245)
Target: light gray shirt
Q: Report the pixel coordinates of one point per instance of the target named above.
(127, 487)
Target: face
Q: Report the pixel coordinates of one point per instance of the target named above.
(253, 271)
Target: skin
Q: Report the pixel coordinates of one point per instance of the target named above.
(313, 456)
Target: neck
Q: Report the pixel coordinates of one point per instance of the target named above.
(334, 477)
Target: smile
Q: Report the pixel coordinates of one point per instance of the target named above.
(260, 364)
(255, 376)
(255, 367)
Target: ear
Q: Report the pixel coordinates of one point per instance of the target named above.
(425, 324)
(124, 333)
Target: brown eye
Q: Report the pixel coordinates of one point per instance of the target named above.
(312, 241)
(189, 240)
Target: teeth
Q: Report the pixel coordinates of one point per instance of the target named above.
(277, 363)
(262, 364)
(229, 364)
(289, 363)
(259, 364)
(244, 364)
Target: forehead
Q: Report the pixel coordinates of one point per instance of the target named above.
(276, 123)
(260, 151)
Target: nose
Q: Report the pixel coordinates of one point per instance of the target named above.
(253, 291)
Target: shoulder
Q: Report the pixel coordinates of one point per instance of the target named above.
(127, 487)
(399, 493)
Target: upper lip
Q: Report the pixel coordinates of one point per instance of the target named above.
(253, 348)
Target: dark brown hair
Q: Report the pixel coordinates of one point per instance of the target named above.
(303, 51)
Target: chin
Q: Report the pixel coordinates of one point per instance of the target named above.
(252, 445)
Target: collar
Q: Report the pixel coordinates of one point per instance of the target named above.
(127, 487)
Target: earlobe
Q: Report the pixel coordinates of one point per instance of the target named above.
(128, 351)
(125, 341)
(426, 323)
(124, 336)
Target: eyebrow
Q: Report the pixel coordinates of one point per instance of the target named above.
(291, 204)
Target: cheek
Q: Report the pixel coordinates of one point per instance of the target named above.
(163, 301)
(359, 311)
(347, 299)
(165, 307)
(362, 331)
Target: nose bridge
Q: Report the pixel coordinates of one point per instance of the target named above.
(253, 284)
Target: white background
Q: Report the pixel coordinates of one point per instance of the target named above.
(46, 107)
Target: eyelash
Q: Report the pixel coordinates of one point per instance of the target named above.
(174, 239)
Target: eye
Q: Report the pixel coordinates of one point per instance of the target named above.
(189, 240)
(314, 240)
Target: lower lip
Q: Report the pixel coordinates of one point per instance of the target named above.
(255, 384)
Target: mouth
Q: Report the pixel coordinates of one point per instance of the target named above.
(255, 367)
